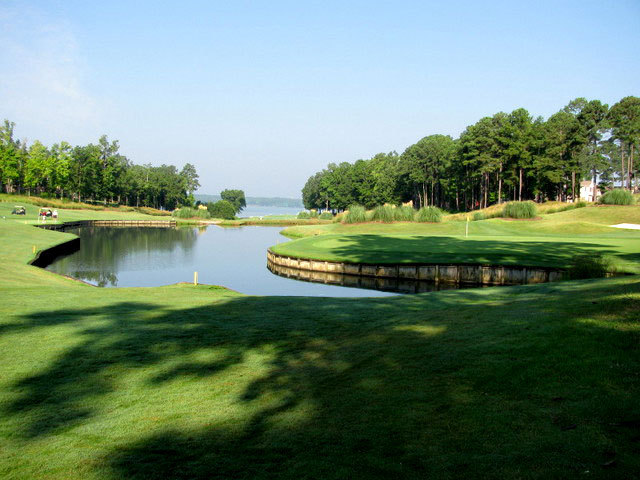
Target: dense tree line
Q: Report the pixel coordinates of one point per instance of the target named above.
(508, 156)
(94, 172)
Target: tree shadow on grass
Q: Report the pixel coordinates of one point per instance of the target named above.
(428, 385)
(440, 249)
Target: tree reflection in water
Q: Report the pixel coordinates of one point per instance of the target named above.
(150, 257)
(104, 251)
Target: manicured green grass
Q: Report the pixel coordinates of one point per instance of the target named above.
(503, 250)
(69, 205)
(200, 382)
(69, 215)
(552, 241)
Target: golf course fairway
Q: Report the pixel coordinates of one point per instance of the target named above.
(195, 382)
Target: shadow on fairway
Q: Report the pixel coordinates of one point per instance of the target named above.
(437, 249)
(403, 387)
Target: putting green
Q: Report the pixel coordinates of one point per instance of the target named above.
(552, 241)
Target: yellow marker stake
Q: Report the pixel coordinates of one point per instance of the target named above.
(34, 249)
(195, 278)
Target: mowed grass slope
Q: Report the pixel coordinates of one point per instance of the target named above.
(550, 241)
(18, 237)
(200, 382)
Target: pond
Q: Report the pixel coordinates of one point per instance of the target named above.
(145, 257)
(263, 211)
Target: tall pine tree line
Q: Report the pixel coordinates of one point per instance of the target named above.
(508, 156)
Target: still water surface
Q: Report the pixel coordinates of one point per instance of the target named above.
(146, 257)
(263, 211)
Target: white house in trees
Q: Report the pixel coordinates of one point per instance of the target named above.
(589, 191)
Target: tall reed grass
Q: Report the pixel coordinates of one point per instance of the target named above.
(429, 215)
(520, 210)
(355, 214)
(187, 212)
(404, 213)
(383, 213)
(617, 197)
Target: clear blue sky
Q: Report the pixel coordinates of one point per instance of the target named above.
(261, 95)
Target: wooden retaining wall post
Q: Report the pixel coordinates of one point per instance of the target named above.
(434, 273)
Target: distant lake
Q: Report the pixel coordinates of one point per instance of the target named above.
(261, 211)
(145, 257)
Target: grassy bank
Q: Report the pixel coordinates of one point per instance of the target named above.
(550, 241)
(66, 204)
(201, 382)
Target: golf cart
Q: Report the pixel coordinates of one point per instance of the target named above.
(19, 210)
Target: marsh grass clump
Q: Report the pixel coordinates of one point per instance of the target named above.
(326, 216)
(591, 265)
(188, 212)
(338, 218)
(617, 197)
(355, 214)
(479, 216)
(152, 211)
(383, 213)
(429, 215)
(526, 209)
(313, 213)
(303, 215)
(403, 213)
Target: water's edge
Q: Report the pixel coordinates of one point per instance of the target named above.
(454, 274)
(44, 258)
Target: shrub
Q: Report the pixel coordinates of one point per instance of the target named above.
(326, 216)
(303, 215)
(580, 204)
(355, 214)
(479, 216)
(383, 213)
(591, 265)
(429, 214)
(520, 210)
(617, 197)
(313, 213)
(222, 209)
(404, 213)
